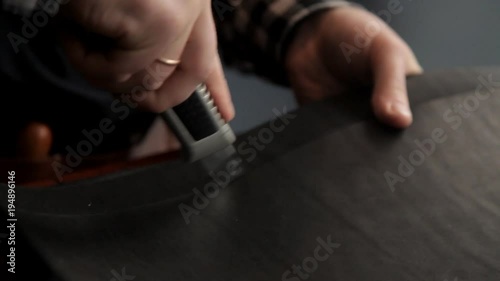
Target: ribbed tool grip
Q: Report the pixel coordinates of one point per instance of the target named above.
(199, 114)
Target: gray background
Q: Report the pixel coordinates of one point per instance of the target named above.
(443, 34)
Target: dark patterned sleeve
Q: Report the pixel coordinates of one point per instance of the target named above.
(254, 33)
(19, 7)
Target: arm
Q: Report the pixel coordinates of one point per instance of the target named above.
(322, 48)
(253, 34)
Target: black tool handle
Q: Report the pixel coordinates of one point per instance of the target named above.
(199, 114)
(199, 126)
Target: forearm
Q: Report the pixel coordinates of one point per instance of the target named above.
(254, 34)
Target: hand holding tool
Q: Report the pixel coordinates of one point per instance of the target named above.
(202, 131)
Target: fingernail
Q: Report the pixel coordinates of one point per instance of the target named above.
(402, 109)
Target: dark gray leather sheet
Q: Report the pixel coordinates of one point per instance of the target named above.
(334, 196)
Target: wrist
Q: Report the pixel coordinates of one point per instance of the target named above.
(304, 39)
(316, 35)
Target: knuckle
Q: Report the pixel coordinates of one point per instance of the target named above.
(172, 16)
(203, 71)
(118, 77)
(174, 22)
(155, 107)
(177, 99)
(204, 66)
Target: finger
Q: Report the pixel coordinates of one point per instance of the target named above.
(119, 70)
(151, 78)
(390, 98)
(177, 89)
(217, 85)
(198, 62)
(100, 65)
